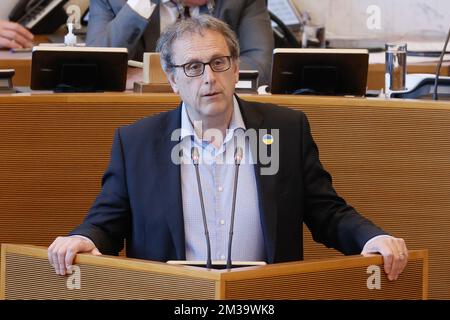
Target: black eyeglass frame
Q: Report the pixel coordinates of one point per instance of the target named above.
(204, 64)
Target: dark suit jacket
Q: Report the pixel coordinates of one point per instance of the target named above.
(141, 195)
(114, 24)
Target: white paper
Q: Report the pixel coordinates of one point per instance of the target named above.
(244, 84)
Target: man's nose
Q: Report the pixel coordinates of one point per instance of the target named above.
(208, 74)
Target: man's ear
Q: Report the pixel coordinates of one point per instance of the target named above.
(172, 80)
(236, 71)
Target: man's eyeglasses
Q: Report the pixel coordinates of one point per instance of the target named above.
(196, 69)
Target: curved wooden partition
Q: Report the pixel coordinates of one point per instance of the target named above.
(390, 159)
(27, 274)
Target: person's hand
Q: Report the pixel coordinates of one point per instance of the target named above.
(14, 36)
(63, 250)
(394, 252)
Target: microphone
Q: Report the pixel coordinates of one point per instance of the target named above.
(438, 68)
(237, 161)
(195, 159)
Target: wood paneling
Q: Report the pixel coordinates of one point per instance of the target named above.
(342, 284)
(376, 75)
(389, 159)
(22, 67)
(28, 275)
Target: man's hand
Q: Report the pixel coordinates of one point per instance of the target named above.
(63, 250)
(394, 252)
(13, 35)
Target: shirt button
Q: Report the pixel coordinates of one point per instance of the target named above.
(222, 257)
(222, 222)
(220, 189)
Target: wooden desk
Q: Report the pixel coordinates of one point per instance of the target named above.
(27, 274)
(375, 79)
(21, 62)
(388, 158)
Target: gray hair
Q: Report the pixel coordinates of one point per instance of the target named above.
(193, 25)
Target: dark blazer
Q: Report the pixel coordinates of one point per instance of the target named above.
(112, 23)
(141, 195)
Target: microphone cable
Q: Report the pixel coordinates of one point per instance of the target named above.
(237, 161)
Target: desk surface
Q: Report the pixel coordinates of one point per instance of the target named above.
(375, 81)
(6, 55)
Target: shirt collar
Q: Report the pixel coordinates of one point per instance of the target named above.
(237, 122)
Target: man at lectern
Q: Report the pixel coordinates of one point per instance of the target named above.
(216, 162)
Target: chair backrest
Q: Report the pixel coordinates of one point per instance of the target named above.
(283, 36)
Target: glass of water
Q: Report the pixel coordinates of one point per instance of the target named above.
(395, 74)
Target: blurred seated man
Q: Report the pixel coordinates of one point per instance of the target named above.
(137, 24)
(12, 35)
(150, 198)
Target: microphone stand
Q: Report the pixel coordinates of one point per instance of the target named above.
(195, 160)
(438, 67)
(237, 161)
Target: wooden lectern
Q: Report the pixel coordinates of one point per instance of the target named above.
(26, 274)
